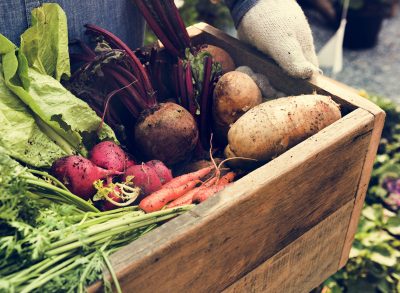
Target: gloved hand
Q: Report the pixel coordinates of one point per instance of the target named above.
(280, 29)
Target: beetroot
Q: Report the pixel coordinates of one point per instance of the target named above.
(162, 171)
(144, 177)
(108, 155)
(78, 174)
(166, 132)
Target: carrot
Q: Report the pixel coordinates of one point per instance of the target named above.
(185, 178)
(188, 196)
(205, 193)
(157, 200)
(227, 178)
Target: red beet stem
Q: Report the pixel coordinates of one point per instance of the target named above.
(205, 103)
(179, 24)
(122, 81)
(166, 24)
(182, 86)
(190, 90)
(110, 37)
(144, 7)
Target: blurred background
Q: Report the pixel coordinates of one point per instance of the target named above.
(371, 64)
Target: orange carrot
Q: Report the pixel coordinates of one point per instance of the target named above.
(158, 199)
(188, 196)
(185, 178)
(205, 193)
(227, 178)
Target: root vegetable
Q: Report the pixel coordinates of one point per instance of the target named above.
(220, 55)
(108, 155)
(162, 171)
(157, 200)
(167, 133)
(185, 178)
(234, 94)
(269, 129)
(144, 177)
(209, 191)
(78, 174)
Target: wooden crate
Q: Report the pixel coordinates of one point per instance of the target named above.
(285, 227)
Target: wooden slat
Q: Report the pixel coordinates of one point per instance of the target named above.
(229, 235)
(363, 186)
(300, 266)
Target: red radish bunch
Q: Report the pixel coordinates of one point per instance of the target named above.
(78, 174)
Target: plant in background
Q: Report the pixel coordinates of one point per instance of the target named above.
(374, 262)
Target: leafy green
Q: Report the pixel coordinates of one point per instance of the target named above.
(21, 136)
(45, 43)
(67, 120)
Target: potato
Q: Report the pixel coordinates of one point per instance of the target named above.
(234, 94)
(221, 56)
(271, 128)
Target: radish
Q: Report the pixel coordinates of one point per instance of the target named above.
(78, 174)
(108, 155)
(108, 205)
(144, 177)
(162, 171)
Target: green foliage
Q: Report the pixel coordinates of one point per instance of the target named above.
(374, 263)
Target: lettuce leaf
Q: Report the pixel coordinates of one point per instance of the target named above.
(45, 43)
(70, 120)
(21, 137)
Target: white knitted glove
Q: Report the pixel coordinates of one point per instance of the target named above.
(280, 29)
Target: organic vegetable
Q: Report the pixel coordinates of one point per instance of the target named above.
(166, 132)
(78, 174)
(144, 177)
(38, 186)
(108, 155)
(221, 56)
(267, 90)
(21, 135)
(116, 73)
(187, 198)
(113, 195)
(209, 191)
(269, 129)
(193, 71)
(68, 121)
(185, 178)
(157, 200)
(234, 94)
(162, 171)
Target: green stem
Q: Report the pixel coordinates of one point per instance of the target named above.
(26, 274)
(121, 222)
(60, 141)
(54, 272)
(47, 175)
(106, 234)
(70, 196)
(112, 272)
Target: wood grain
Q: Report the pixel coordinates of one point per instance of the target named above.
(231, 234)
(300, 266)
(362, 186)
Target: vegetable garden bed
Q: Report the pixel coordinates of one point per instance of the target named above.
(286, 226)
